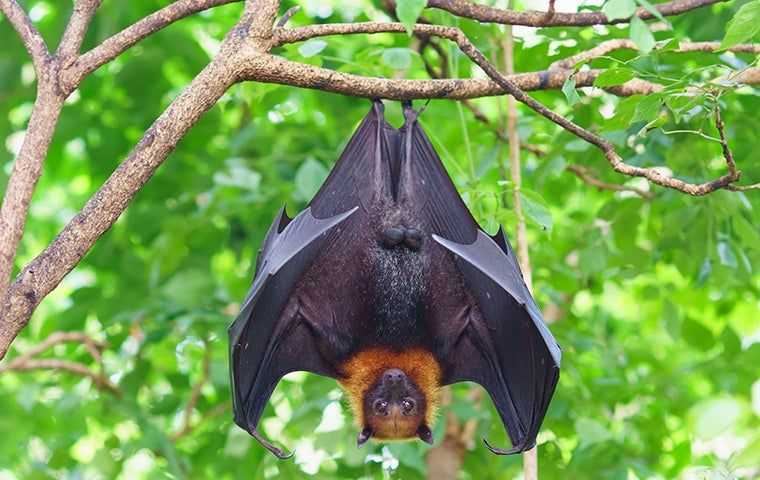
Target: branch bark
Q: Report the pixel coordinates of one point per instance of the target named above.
(46, 271)
(117, 44)
(488, 14)
(30, 36)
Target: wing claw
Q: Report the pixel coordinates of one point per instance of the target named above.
(511, 451)
(277, 452)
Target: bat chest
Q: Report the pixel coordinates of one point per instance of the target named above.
(398, 287)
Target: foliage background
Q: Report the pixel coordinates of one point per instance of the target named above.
(655, 303)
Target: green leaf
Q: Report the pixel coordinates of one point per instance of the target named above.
(309, 178)
(312, 47)
(697, 334)
(647, 109)
(535, 208)
(641, 35)
(748, 457)
(408, 11)
(617, 9)
(744, 25)
(571, 94)
(613, 76)
(726, 255)
(397, 58)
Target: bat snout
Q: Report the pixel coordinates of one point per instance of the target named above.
(394, 376)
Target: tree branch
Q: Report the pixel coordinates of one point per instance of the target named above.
(73, 367)
(27, 361)
(488, 14)
(609, 46)
(76, 29)
(27, 169)
(587, 177)
(28, 33)
(117, 44)
(44, 273)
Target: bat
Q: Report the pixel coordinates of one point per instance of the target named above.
(387, 284)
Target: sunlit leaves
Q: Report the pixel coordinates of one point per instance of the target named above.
(641, 35)
(408, 11)
(744, 26)
(619, 9)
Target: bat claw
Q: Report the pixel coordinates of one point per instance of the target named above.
(277, 452)
(511, 451)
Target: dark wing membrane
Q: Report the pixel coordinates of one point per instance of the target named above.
(504, 344)
(425, 186)
(364, 168)
(267, 340)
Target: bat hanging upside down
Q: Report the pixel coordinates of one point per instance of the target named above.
(387, 284)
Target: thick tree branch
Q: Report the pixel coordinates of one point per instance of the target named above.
(44, 273)
(28, 33)
(76, 29)
(485, 13)
(117, 44)
(26, 172)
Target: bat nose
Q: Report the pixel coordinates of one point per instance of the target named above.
(393, 377)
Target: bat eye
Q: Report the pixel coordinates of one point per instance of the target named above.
(381, 407)
(407, 405)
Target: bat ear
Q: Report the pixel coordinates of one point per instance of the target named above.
(424, 434)
(363, 436)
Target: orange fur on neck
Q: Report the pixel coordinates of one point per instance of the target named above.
(363, 370)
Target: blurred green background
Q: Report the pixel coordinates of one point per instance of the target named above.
(655, 302)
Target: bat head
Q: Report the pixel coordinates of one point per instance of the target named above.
(393, 394)
(394, 408)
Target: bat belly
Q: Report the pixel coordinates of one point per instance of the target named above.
(398, 280)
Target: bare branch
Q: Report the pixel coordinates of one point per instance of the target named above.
(587, 177)
(113, 46)
(26, 172)
(27, 361)
(73, 367)
(93, 346)
(28, 33)
(44, 273)
(610, 46)
(76, 29)
(485, 13)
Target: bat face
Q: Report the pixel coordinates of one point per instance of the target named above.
(394, 408)
(387, 284)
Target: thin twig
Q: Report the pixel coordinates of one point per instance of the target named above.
(587, 177)
(609, 46)
(65, 365)
(485, 13)
(288, 15)
(115, 45)
(27, 361)
(195, 395)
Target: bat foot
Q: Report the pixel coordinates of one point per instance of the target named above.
(409, 237)
(277, 452)
(511, 451)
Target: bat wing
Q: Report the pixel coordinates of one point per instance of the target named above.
(268, 341)
(504, 345)
(300, 312)
(487, 326)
